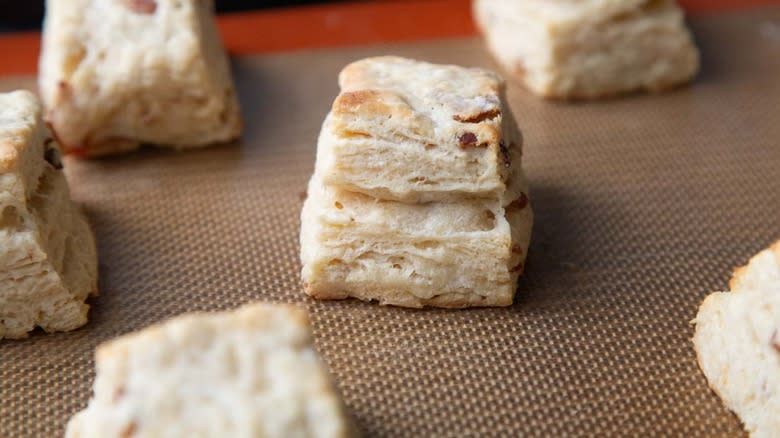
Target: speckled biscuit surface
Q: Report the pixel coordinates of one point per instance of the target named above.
(118, 73)
(252, 372)
(414, 131)
(48, 264)
(589, 49)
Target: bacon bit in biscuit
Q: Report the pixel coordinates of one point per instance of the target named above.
(52, 156)
(519, 203)
(505, 155)
(518, 268)
(775, 341)
(303, 195)
(517, 249)
(129, 430)
(479, 118)
(468, 140)
(147, 7)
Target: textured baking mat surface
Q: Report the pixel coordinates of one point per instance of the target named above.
(643, 206)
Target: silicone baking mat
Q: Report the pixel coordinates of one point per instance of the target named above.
(643, 205)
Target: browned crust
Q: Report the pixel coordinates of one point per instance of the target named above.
(371, 103)
(328, 293)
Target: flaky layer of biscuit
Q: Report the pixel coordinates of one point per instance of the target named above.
(113, 75)
(249, 372)
(589, 49)
(417, 132)
(461, 254)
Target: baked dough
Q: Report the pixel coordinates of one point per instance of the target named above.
(48, 262)
(418, 196)
(589, 48)
(417, 132)
(252, 372)
(737, 343)
(461, 254)
(118, 73)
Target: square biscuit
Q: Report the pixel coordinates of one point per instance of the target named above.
(589, 48)
(458, 254)
(48, 260)
(252, 372)
(417, 132)
(118, 73)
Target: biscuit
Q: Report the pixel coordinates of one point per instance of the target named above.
(418, 196)
(48, 261)
(252, 372)
(737, 343)
(118, 73)
(590, 48)
(458, 254)
(417, 132)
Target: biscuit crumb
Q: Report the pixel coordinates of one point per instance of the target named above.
(468, 140)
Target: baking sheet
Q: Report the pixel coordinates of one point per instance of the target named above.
(643, 206)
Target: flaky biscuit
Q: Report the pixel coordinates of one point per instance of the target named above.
(589, 48)
(252, 372)
(118, 73)
(48, 261)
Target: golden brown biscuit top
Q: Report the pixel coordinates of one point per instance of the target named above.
(398, 97)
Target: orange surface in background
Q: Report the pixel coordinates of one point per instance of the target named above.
(331, 25)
